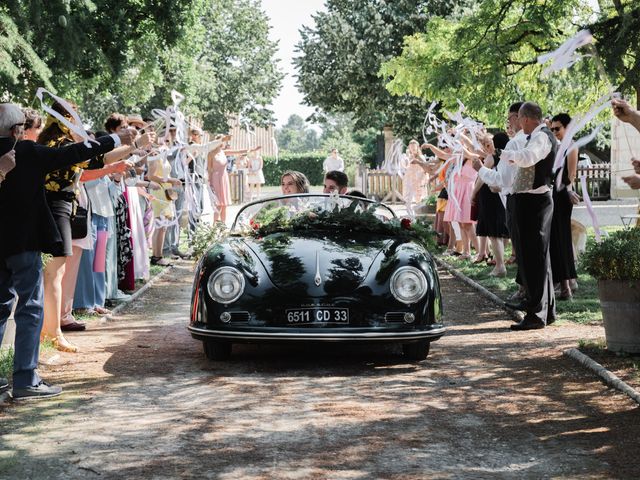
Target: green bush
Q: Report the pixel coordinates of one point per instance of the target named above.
(309, 163)
(616, 257)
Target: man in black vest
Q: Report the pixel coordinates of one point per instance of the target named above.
(533, 210)
(28, 228)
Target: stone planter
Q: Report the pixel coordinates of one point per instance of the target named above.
(620, 303)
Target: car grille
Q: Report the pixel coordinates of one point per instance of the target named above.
(394, 317)
(240, 317)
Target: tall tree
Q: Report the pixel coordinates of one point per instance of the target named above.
(487, 57)
(297, 136)
(127, 54)
(342, 54)
(618, 33)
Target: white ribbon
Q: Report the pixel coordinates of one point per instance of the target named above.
(430, 124)
(577, 124)
(592, 213)
(74, 127)
(275, 147)
(565, 55)
(393, 164)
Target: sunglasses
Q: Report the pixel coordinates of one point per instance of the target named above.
(17, 125)
(555, 129)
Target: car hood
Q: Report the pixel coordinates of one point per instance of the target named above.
(317, 264)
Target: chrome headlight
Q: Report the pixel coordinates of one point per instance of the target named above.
(225, 285)
(408, 285)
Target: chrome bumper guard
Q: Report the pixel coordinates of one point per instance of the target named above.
(319, 336)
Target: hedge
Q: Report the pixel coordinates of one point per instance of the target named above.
(309, 163)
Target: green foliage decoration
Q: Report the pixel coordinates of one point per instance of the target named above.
(205, 236)
(278, 219)
(616, 257)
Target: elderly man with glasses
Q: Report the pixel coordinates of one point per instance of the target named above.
(28, 230)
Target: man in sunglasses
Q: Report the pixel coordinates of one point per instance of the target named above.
(28, 229)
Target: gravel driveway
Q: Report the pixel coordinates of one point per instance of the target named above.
(141, 401)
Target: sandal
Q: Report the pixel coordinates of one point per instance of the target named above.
(510, 261)
(481, 260)
(63, 345)
(498, 273)
(101, 310)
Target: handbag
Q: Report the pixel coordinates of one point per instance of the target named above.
(79, 223)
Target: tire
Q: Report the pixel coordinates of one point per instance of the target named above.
(416, 350)
(216, 350)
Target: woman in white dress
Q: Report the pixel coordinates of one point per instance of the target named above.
(256, 175)
(415, 178)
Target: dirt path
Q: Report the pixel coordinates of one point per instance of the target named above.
(142, 402)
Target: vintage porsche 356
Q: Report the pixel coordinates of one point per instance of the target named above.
(317, 268)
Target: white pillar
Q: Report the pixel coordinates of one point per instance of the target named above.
(625, 144)
(387, 131)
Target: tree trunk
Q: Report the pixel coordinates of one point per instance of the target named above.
(619, 7)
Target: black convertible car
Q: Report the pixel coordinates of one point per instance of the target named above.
(317, 268)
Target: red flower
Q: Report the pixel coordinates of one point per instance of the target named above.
(255, 225)
(406, 223)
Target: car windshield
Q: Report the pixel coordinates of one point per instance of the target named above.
(305, 211)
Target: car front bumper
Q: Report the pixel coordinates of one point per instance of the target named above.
(431, 332)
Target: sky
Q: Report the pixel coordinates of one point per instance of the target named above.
(286, 18)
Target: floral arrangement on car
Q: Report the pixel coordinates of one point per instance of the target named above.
(349, 219)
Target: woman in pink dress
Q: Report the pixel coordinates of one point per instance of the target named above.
(463, 181)
(219, 178)
(219, 182)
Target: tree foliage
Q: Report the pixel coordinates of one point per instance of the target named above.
(486, 57)
(618, 33)
(296, 136)
(127, 54)
(342, 54)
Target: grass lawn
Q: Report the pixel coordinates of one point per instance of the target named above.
(584, 308)
(6, 357)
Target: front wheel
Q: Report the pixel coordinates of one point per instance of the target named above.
(216, 350)
(416, 350)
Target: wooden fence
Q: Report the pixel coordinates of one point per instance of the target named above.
(380, 185)
(598, 179)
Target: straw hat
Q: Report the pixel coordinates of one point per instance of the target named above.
(135, 119)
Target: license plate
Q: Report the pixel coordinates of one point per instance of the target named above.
(305, 316)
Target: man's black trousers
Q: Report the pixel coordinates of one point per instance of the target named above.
(532, 230)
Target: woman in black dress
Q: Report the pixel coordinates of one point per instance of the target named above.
(560, 246)
(491, 214)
